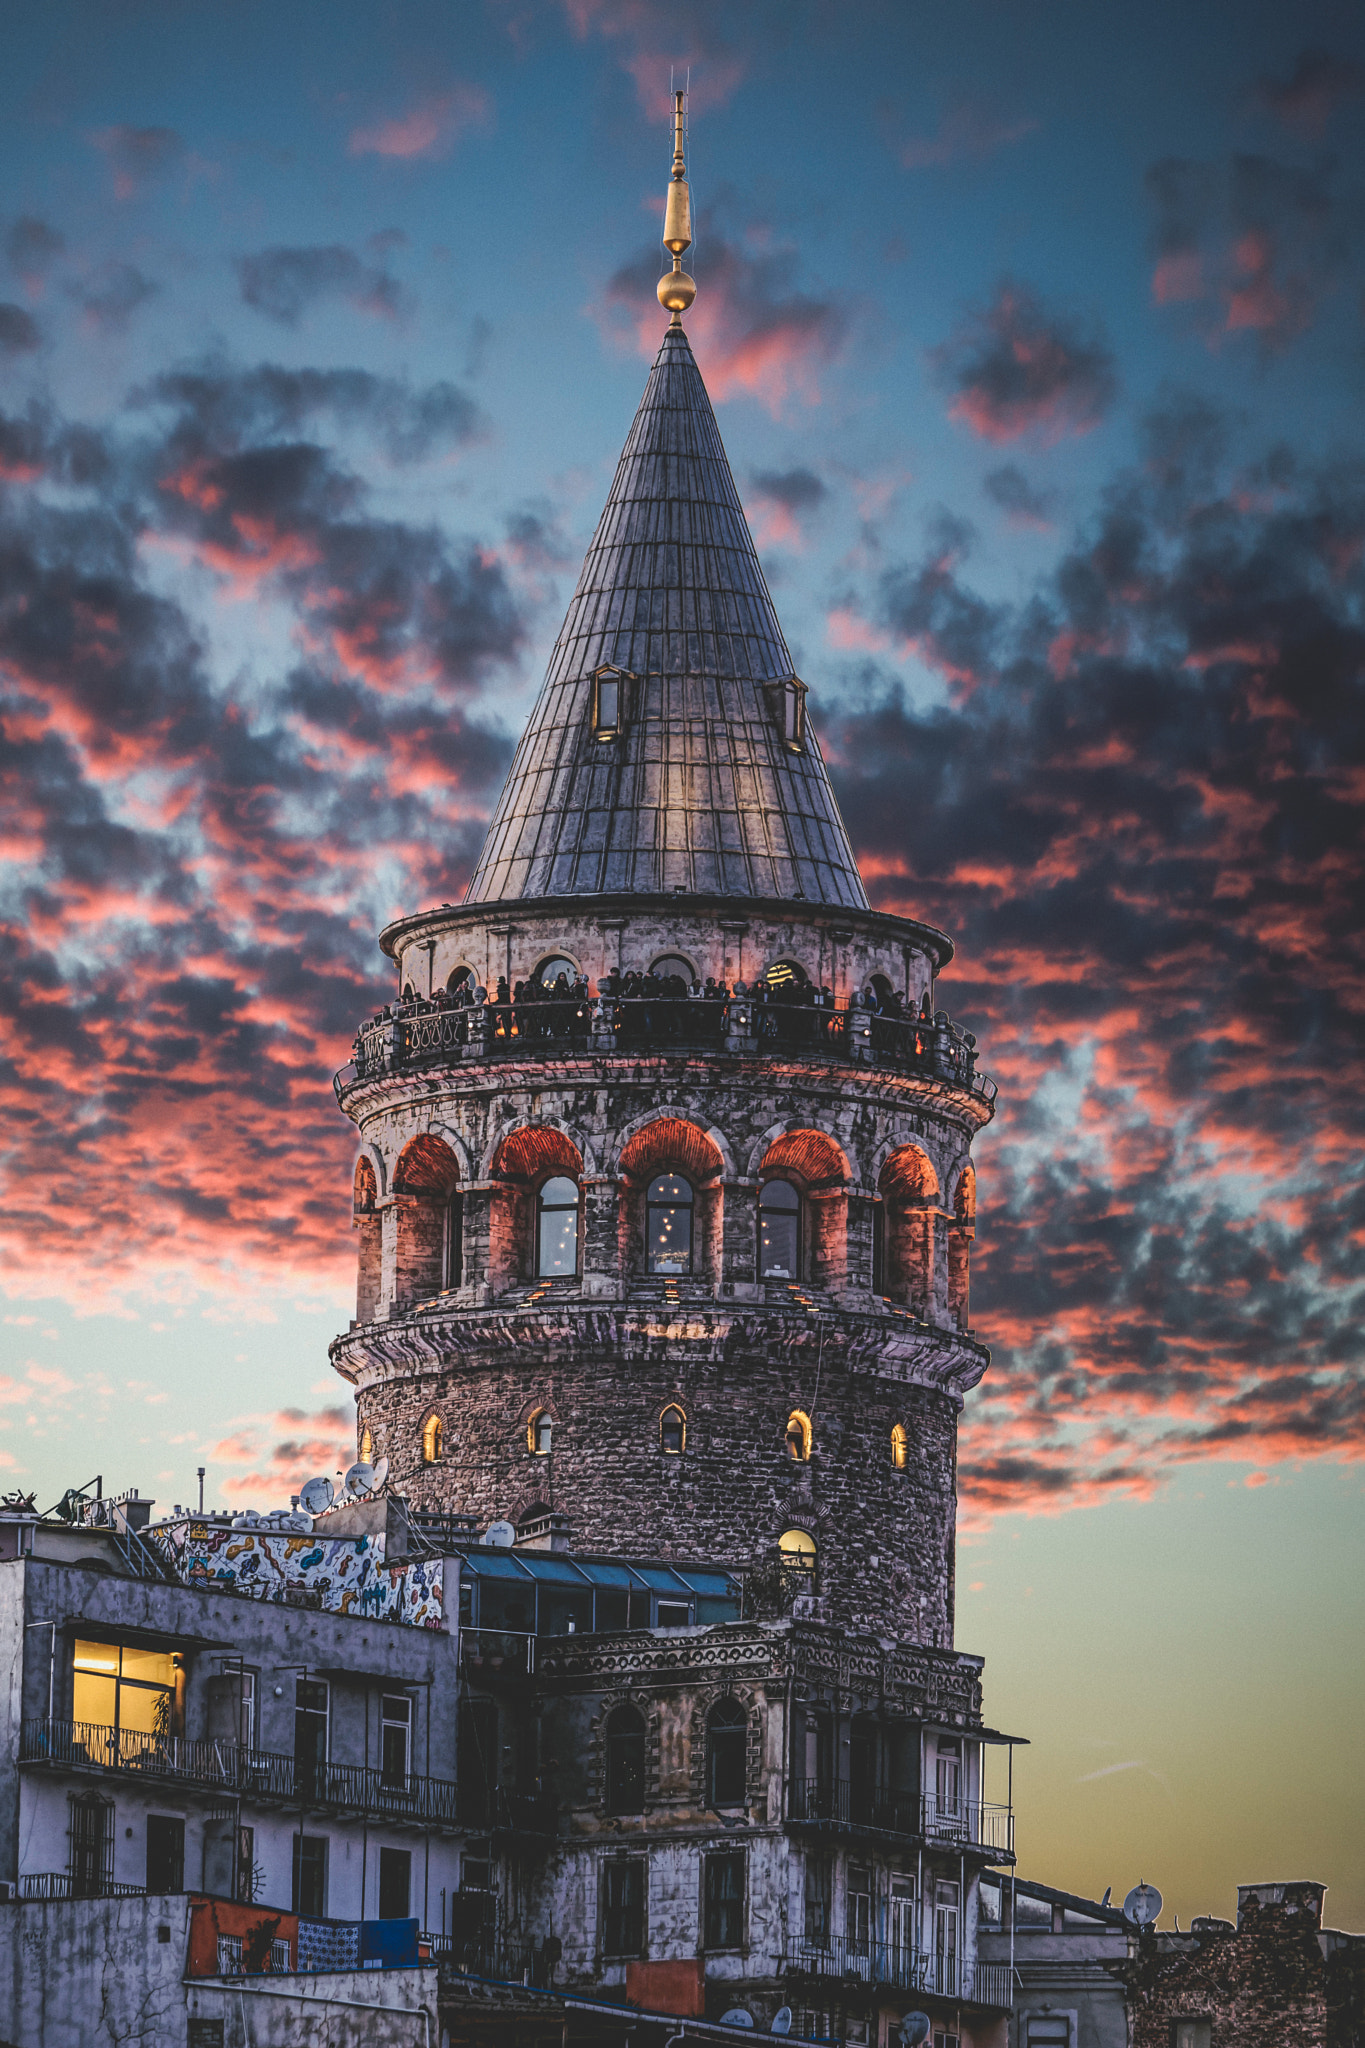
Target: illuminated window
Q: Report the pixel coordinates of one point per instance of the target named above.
(786, 974)
(433, 1438)
(366, 1446)
(557, 1227)
(799, 1436)
(673, 1432)
(779, 1231)
(117, 1686)
(540, 1433)
(668, 1224)
(796, 1547)
(900, 1446)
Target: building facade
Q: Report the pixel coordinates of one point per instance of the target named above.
(664, 1208)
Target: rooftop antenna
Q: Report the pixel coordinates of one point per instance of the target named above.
(676, 289)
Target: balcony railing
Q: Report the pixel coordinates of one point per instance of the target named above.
(891, 1966)
(254, 1774)
(961, 1823)
(497, 1653)
(418, 1034)
(60, 1884)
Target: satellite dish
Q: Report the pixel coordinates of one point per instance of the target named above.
(360, 1479)
(782, 2020)
(317, 1496)
(501, 1534)
(1142, 1905)
(737, 2017)
(381, 1473)
(914, 2029)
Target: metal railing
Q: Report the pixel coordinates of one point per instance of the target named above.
(254, 1774)
(962, 1823)
(422, 1033)
(497, 1653)
(60, 1884)
(893, 1966)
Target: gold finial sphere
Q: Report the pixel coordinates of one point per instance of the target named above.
(676, 291)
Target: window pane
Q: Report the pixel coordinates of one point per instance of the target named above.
(92, 1699)
(558, 1242)
(97, 1657)
(550, 971)
(165, 1853)
(559, 1193)
(153, 1667)
(137, 1709)
(672, 963)
(777, 1244)
(395, 1883)
(608, 701)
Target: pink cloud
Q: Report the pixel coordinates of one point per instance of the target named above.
(429, 129)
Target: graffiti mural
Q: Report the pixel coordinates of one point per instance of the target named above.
(344, 1574)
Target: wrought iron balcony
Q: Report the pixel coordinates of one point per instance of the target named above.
(421, 1034)
(47, 1885)
(266, 1776)
(844, 1808)
(891, 1966)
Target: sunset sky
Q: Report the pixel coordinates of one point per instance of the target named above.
(1037, 338)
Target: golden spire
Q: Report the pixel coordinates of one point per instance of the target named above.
(676, 289)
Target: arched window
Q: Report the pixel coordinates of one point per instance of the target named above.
(796, 1548)
(786, 974)
(557, 1227)
(799, 1436)
(779, 1231)
(409, 992)
(727, 1743)
(668, 1224)
(366, 1446)
(673, 963)
(549, 971)
(433, 1438)
(673, 1431)
(625, 1786)
(877, 985)
(900, 1446)
(540, 1433)
(458, 977)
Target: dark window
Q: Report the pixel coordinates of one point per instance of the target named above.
(623, 1907)
(310, 1736)
(779, 1231)
(878, 1248)
(310, 1876)
(794, 716)
(92, 1847)
(819, 1887)
(724, 1884)
(454, 1244)
(205, 2034)
(673, 1432)
(727, 1742)
(246, 1864)
(668, 1228)
(165, 1853)
(670, 964)
(625, 1761)
(607, 708)
(858, 1908)
(395, 1883)
(395, 1739)
(862, 1771)
(476, 1761)
(557, 1227)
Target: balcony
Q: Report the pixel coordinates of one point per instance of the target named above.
(416, 1035)
(888, 1966)
(497, 1653)
(262, 1776)
(49, 1885)
(842, 1808)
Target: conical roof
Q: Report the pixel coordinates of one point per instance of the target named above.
(699, 791)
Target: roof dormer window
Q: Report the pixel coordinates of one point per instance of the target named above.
(608, 690)
(791, 708)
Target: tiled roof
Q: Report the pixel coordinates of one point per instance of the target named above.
(699, 791)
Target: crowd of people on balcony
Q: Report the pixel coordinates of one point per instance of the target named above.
(557, 1001)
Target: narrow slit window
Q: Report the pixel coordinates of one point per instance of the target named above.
(557, 1228)
(606, 708)
(673, 1432)
(540, 1434)
(668, 1224)
(779, 1231)
(793, 698)
(433, 1438)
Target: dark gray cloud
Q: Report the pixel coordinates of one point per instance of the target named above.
(233, 406)
(1016, 368)
(111, 295)
(285, 283)
(32, 247)
(1315, 89)
(18, 331)
(796, 490)
(1023, 503)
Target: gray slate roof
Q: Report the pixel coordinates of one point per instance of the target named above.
(699, 792)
